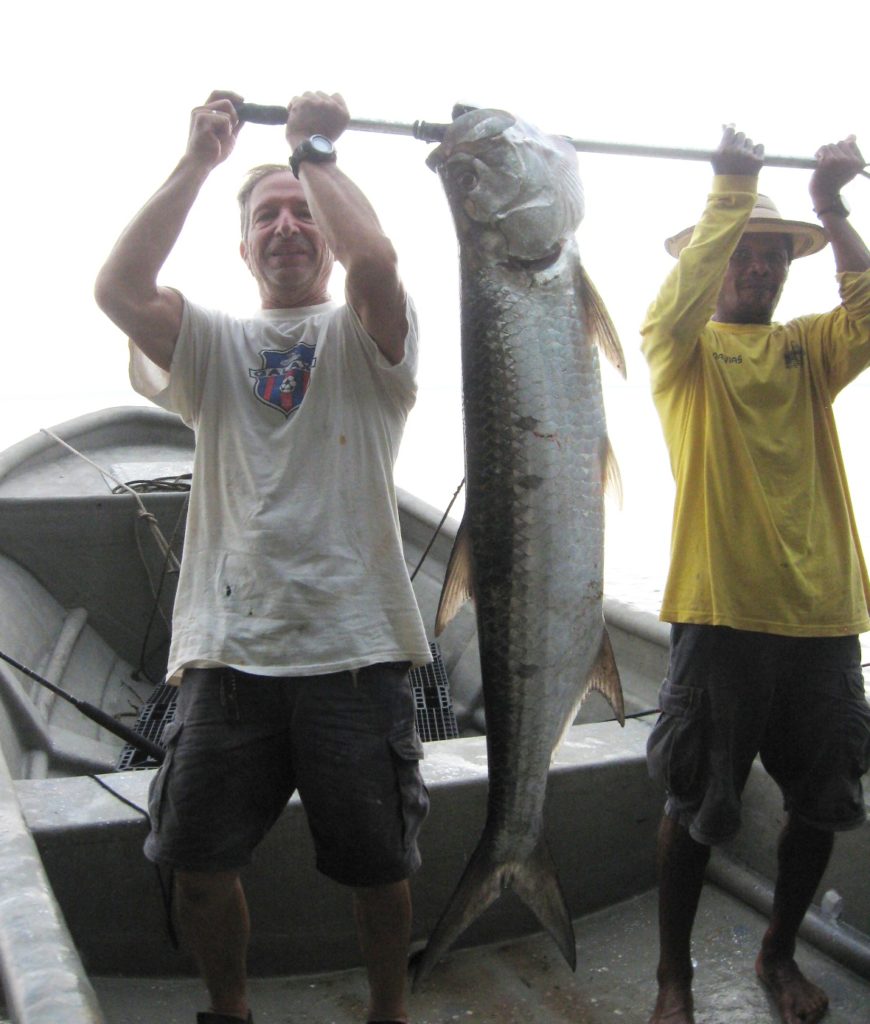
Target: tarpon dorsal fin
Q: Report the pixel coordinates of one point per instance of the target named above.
(611, 477)
(604, 677)
(599, 325)
(458, 580)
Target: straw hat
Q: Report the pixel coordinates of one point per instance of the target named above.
(766, 219)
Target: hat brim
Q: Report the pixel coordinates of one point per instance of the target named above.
(806, 238)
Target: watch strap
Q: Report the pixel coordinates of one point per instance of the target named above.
(306, 150)
(836, 205)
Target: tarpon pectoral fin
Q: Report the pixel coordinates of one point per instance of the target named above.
(612, 478)
(534, 880)
(458, 580)
(604, 677)
(599, 326)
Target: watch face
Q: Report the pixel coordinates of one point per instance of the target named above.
(321, 144)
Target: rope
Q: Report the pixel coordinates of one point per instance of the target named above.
(156, 592)
(170, 562)
(143, 512)
(438, 529)
(642, 714)
(169, 484)
(166, 889)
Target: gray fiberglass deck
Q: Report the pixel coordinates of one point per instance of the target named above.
(526, 981)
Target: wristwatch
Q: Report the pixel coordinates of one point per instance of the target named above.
(317, 148)
(836, 205)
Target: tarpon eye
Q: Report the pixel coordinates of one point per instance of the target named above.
(467, 180)
(464, 177)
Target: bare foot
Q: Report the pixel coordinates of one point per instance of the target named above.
(799, 1001)
(673, 1006)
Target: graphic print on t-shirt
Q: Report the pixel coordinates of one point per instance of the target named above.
(282, 380)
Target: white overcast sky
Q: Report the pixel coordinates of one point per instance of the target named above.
(97, 96)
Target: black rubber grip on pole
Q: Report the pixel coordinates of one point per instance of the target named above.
(91, 711)
(120, 730)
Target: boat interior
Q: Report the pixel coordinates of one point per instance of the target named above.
(89, 542)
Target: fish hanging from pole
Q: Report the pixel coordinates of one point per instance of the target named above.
(530, 548)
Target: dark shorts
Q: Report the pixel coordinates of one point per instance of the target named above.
(729, 695)
(241, 745)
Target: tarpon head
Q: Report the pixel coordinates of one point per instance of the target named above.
(514, 191)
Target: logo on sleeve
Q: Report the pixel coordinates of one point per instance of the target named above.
(282, 380)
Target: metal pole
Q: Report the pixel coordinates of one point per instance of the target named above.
(423, 130)
(95, 714)
(428, 131)
(676, 153)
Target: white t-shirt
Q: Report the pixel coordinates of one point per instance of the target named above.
(293, 560)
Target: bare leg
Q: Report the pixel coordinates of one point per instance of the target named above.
(213, 914)
(804, 853)
(681, 866)
(383, 921)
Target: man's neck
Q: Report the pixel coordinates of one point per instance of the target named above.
(293, 301)
(742, 320)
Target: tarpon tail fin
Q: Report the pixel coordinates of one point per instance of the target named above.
(599, 325)
(537, 885)
(534, 880)
(604, 677)
(458, 579)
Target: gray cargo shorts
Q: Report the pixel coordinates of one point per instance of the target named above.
(241, 745)
(731, 694)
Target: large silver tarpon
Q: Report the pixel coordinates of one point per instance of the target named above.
(530, 548)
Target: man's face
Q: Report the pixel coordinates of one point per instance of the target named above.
(283, 248)
(754, 280)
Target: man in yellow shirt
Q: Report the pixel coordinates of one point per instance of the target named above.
(767, 589)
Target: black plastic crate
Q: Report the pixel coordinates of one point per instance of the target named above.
(436, 719)
(154, 718)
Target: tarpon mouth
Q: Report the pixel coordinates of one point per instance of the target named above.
(479, 124)
(534, 266)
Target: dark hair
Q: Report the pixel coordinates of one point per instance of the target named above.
(255, 175)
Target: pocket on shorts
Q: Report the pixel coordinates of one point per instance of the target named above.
(677, 748)
(407, 752)
(857, 728)
(157, 789)
(845, 734)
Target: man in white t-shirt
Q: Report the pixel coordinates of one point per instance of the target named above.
(295, 622)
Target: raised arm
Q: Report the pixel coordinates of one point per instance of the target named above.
(688, 297)
(350, 226)
(126, 287)
(838, 164)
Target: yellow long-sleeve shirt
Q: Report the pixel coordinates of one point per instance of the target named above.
(764, 536)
